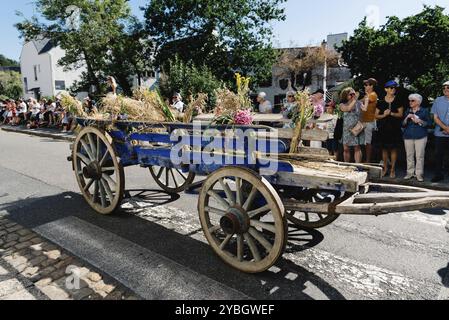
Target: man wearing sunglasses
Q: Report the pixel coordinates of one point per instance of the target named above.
(440, 111)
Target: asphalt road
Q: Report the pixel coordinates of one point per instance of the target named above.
(155, 245)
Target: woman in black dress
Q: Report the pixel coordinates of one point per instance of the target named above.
(389, 114)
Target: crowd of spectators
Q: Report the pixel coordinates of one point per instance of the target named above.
(35, 114)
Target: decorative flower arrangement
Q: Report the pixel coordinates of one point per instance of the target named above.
(234, 108)
(243, 117)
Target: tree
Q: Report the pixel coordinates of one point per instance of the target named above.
(5, 62)
(226, 36)
(297, 61)
(414, 49)
(107, 39)
(10, 84)
(188, 80)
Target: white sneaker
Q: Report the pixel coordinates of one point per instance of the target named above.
(420, 179)
(408, 177)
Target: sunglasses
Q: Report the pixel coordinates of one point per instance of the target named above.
(412, 100)
(446, 88)
(368, 85)
(390, 88)
(290, 96)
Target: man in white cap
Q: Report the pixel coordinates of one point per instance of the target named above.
(264, 105)
(440, 111)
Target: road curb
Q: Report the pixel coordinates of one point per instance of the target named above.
(55, 136)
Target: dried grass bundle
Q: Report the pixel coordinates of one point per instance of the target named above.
(305, 113)
(196, 104)
(228, 102)
(72, 105)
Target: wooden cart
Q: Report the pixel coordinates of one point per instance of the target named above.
(243, 204)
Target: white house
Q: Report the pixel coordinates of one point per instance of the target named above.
(41, 73)
(276, 89)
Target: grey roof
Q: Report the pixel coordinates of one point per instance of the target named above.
(43, 45)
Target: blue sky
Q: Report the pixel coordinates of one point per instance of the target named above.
(308, 22)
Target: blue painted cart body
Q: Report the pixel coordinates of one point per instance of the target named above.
(188, 146)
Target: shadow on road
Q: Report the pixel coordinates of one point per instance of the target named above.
(285, 281)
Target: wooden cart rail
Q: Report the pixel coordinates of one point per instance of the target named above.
(386, 200)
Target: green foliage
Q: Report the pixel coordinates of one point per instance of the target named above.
(414, 49)
(108, 40)
(11, 85)
(5, 62)
(189, 80)
(226, 36)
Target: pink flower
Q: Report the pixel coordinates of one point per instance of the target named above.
(243, 117)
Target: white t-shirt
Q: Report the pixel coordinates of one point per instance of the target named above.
(23, 108)
(52, 107)
(265, 107)
(35, 108)
(179, 106)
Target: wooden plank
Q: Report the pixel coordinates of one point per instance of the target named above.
(314, 135)
(258, 117)
(349, 207)
(317, 151)
(392, 197)
(374, 172)
(315, 179)
(292, 205)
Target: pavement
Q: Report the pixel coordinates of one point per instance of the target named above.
(153, 248)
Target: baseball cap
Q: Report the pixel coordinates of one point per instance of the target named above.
(446, 83)
(391, 83)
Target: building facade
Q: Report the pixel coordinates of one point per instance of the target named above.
(41, 73)
(312, 80)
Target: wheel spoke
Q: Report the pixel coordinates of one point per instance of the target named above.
(104, 169)
(222, 202)
(87, 186)
(260, 238)
(221, 213)
(240, 247)
(167, 178)
(228, 191)
(92, 146)
(111, 182)
(181, 174)
(250, 199)
(161, 170)
(105, 185)
(252, 246)
(307, 217)
(238, 187)
(95, 195)
(321, 216)
(98, 149)
(102, 196)
(174, 179)
(214, 229)
(263, 225)
(256, 212)
(226, 241)
(83, 158)
(103, 159)
(87, 149)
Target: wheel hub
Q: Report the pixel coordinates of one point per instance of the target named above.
(236, 221)
(92, 171)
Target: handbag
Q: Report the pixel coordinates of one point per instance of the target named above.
(358, 129)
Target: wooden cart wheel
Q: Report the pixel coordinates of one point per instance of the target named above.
(311, 220)
(248, 232)
(172, 180)
(98, 172)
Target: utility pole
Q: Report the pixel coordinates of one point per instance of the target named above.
(324, 46)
